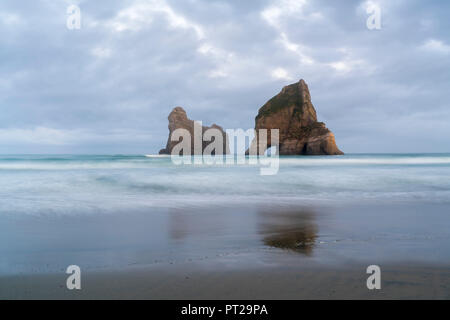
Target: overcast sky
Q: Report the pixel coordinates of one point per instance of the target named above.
(109, 86)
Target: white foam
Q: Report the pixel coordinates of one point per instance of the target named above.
(365, 161)
(28, 185)
(157, 155)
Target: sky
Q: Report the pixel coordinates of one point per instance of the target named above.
(108, 87)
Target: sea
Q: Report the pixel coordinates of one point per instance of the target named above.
(112, 211)
(84, 184)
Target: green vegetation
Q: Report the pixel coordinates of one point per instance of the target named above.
(290, 96)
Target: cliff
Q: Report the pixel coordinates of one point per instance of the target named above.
(292, 112)
(178, 119)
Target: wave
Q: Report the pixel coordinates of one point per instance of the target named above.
(147, 161)
(369, 161)
(157, 155)
(89, 183)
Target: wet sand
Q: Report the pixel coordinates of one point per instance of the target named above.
(190, 282)
(231, 253)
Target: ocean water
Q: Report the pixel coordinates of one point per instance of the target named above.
(109, 212)
(77, 184)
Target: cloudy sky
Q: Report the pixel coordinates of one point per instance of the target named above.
(109, 86)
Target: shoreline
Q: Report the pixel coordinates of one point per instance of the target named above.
(191, 282)
(231, 253)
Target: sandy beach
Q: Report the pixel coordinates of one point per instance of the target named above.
(191, 281)
(231, 253)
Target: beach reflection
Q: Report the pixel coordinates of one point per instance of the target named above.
(292, 230)
(230, 229)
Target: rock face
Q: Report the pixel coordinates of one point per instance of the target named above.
(292, 112)
(178, 120)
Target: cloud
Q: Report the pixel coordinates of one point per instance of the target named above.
(222, 59)
(101, 52)
(9, 19)
(39, 135)
(281, 74)
(141, 13)
(41, 140)
(51, 136)
(297, 49)
(109, 86)
(436, 46)
(276, 12)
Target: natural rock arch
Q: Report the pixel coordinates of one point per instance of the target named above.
(292, 112)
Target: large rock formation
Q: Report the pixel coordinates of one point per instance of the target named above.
(292, 112)
(178, 120)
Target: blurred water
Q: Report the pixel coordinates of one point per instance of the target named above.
(83, 184)
(117, 211)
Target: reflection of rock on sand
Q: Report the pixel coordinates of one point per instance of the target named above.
(292, 230)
